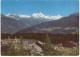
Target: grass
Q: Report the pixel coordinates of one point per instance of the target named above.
(50, 29)
(70, 52)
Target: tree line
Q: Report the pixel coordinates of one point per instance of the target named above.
(55, 38)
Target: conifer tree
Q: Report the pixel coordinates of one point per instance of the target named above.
(49, 48)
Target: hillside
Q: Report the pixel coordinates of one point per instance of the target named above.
(65, 25)
(10, 25)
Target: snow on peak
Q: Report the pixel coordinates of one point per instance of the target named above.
(9, 14)
(24, 16)
(41, 15)
(38, 15)
(12, 16)
(56, 17)
(35, 15)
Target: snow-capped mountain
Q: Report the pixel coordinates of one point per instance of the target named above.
(10, 25)
(34, 15)
(41, 15)
(65, 25)
(34, 19)
(13, 16)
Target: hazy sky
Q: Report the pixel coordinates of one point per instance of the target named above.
(63, 8)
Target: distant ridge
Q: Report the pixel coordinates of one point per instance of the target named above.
(65, 25)
(34, 19)
(10, 25)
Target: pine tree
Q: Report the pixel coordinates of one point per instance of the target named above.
(48, 48)
(48, 42)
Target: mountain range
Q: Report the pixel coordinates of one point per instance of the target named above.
(35, 18)
(10, 25)
(65, 25)
(39, 23)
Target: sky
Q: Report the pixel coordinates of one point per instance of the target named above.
(52, 8)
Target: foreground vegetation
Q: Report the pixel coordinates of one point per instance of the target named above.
(11, 49)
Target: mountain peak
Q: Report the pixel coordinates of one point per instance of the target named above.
(9, 14)
(38, 15)
(35, 15)
(75, 14)
(13, 16)
(41, 15)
